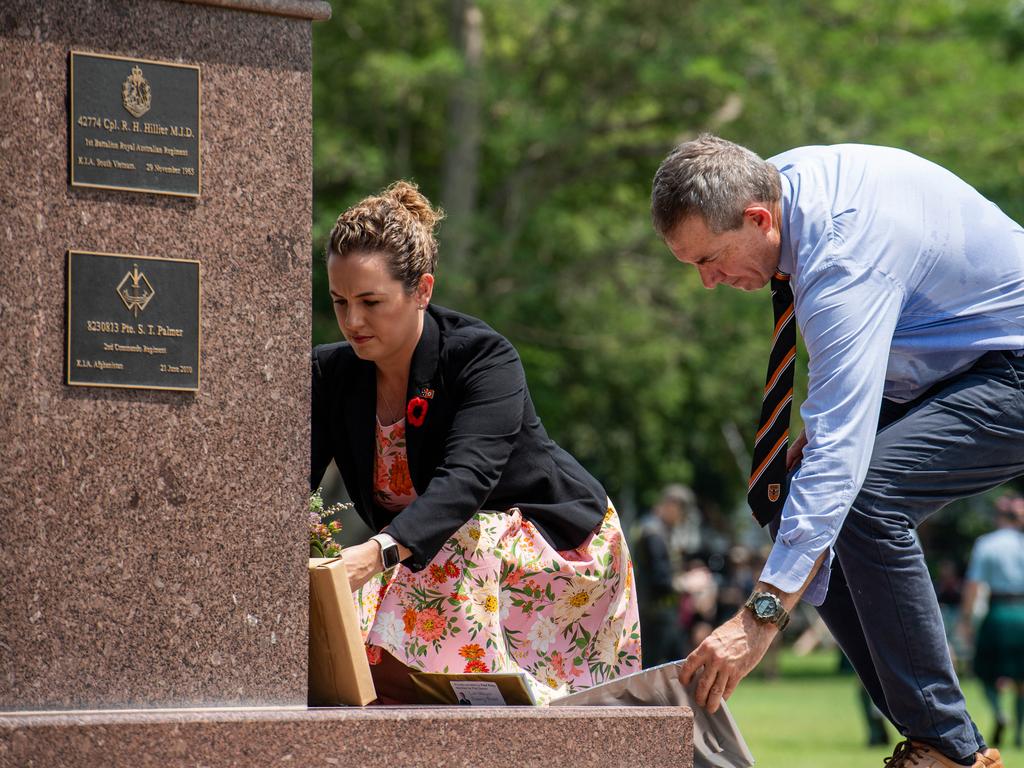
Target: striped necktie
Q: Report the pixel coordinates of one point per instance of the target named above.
(768, 474)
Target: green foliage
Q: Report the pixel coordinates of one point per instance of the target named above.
(635, 368)
(322, 529)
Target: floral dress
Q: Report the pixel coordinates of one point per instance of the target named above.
(499, 598)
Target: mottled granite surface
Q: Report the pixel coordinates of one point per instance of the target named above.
(153, 543)
(317, 10)
(377, 737)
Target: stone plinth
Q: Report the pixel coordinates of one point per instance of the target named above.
(378, 737)
(154, 544)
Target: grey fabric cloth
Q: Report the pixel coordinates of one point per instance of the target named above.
(717, 742)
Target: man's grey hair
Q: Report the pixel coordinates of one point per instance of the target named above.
(712, 177)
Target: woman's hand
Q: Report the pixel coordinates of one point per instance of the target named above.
(362, 562)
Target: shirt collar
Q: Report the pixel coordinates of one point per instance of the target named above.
(787, 260)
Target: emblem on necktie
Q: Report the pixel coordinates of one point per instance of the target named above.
(774, 490)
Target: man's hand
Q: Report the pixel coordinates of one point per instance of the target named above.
(796, 451)
(726, 657)
(362, 562)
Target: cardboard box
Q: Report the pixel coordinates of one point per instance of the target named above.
(473, 688)
(338, 670)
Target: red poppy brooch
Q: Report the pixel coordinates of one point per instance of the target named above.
(416, 411)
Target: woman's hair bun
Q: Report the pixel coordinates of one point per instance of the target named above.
(400, 223)
(408, 195)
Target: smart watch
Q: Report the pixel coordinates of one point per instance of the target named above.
(388, 550)
(767, 608)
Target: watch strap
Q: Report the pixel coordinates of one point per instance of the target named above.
(388, 550)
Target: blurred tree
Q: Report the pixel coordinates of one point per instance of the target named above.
(539, 125)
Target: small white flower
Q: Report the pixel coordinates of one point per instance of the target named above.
(485, 602)
(542, 634)
(468, 535)
(390, 629)
(606, 643)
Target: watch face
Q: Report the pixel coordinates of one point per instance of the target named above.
(764, 607)
(389, 556)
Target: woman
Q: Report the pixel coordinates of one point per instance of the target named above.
(512, 558)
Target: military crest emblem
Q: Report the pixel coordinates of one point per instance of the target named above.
(136, 94)
(774, 491)
(135, 290)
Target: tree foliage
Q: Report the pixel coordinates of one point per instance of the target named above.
(634, 368)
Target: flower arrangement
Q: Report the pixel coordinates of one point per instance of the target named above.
(321, 530)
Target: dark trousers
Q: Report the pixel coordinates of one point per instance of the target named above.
(962, 437)
(660, 632)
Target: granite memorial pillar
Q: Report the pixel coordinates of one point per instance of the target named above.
(154, 550)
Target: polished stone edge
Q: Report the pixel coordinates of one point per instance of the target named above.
(374, 737)
(314, 10)
(299, 714)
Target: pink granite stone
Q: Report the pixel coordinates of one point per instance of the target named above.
(154, 545)
(378, 737)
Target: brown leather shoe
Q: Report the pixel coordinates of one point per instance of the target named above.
(915, 754)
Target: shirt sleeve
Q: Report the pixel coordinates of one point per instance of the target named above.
(976, 567)
(489, 394)
(847, 318)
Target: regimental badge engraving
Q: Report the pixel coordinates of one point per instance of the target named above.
(132, 321)
(136, 93)
(774, 491)
(135, 125)
(135, 290)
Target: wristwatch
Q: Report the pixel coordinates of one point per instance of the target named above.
(767, 609)
(388, 550)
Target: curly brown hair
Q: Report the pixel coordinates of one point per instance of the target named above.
(399, 222)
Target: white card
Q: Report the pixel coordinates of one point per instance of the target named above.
(478, 693)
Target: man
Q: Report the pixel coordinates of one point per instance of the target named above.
(656, 563)
(909, 294)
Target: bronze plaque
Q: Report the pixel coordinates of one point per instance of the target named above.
(133, 321)
(134, 125)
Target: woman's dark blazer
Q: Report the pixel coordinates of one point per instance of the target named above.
(481, 445)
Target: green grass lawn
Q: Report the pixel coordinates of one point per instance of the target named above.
(810, 717)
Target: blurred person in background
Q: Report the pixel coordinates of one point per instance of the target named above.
(997, 561)
(657, 561)
(698, 606)
(949, 590)
(878, 735)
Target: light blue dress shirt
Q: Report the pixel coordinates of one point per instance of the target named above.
(998, 560)
(903, 275)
